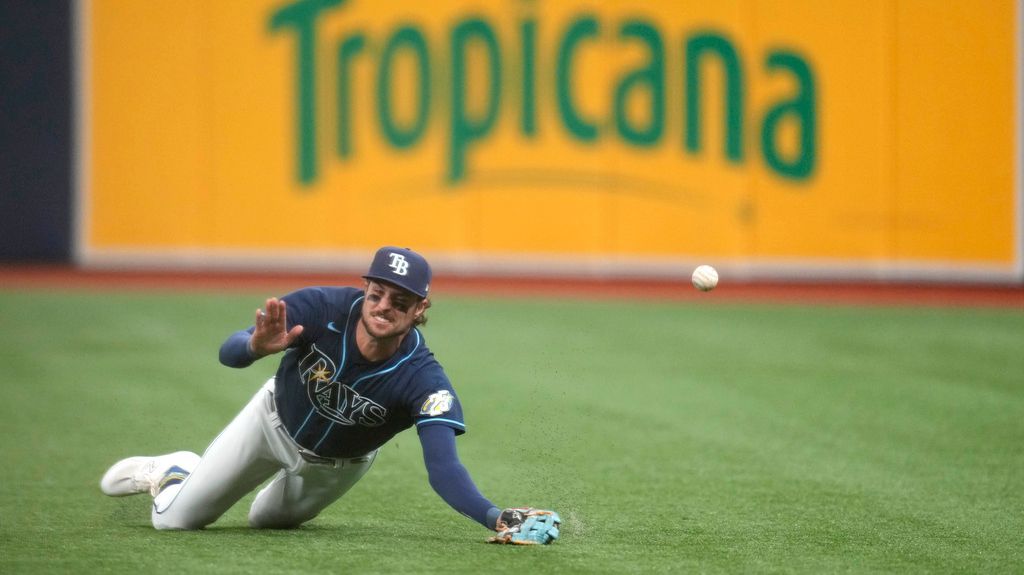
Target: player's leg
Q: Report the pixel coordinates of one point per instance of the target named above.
(141, 474)
(296, 496)
(234, 464)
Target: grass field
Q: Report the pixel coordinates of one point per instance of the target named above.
(684, 437)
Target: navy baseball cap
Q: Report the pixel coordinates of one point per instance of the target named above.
(401, 267)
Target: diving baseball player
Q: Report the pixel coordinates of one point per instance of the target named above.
(355, 371)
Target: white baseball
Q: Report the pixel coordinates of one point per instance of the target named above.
(704, 278)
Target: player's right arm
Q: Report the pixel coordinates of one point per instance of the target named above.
(268, 336)
(271, 333)
(234, 352)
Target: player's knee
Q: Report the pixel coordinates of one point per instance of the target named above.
(177, 525)
(178, 522)
(280, 524)
(275, 520)
(262, 521)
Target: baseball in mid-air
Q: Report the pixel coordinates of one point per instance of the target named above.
(704, 278)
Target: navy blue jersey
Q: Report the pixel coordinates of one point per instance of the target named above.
(334, 402)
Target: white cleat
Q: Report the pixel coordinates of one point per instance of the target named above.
(141, 474)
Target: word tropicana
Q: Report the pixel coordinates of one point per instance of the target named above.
(466, 128)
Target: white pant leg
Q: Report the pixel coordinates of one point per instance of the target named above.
(296, 496)
(235, 463)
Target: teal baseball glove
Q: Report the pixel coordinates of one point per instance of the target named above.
(526, 526)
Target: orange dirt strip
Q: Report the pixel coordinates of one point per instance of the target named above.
(48, 278)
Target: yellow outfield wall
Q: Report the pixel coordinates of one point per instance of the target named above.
(778, 137)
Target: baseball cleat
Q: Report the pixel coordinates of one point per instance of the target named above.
(141, 474)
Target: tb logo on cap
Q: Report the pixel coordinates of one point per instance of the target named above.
(399, 264)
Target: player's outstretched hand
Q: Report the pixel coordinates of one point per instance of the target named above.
(272, 334)
(526, 526)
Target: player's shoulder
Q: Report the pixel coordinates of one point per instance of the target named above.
(415, 345)
(340, 294)
(330, 295)
(320, 304)
(423, 366)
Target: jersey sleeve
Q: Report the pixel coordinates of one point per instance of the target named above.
(234, 352)
(434, 401)
(449, 477)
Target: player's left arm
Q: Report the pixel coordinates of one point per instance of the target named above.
(452, 482)
(449, 477)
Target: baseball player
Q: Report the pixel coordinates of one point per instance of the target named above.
(355, 371)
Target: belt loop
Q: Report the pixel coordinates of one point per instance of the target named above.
(315, 459)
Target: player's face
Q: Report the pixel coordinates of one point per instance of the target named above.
(389, 311)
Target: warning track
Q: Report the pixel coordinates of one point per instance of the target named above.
(46, 277)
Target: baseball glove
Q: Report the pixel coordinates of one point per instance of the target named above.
(526, 526)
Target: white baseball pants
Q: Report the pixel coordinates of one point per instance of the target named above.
(252, 448)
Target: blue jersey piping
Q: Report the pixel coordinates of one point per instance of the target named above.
(341, 367)
(344, 358)
(441, 420)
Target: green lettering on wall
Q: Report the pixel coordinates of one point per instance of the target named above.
(465, 129)
(347, 51)
(302, 17)
(528, 117)
(800, 109)
(650, 77)
(637, 107)
(714, 44)
(583, 28)
(411, 40)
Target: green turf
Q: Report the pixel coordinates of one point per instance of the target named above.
(671, 437)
